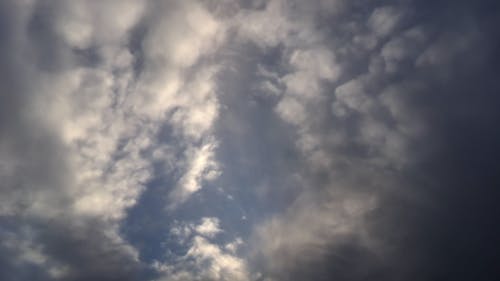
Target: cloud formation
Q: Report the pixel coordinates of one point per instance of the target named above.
(248, 140)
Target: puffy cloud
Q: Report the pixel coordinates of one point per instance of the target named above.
(365, 145)
(209, 227)
(384, 20)
(222, 266)
(81, 25)
(331, 139)
(80, 157)
(205, 260)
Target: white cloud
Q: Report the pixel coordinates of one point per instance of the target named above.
(201, 167)
(108, 113)
(233, 247)
(267, 27)
(384, 20)
(352, 95)
(320, 62)
(104, 22)
(291, 110)
(105, 116)
(204, 260)
(222, 266)
(209, 227)
(179, 39)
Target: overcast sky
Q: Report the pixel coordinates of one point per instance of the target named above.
(231, 140)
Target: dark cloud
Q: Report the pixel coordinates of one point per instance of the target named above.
(327, 140)
(434, 218)
(446, 230)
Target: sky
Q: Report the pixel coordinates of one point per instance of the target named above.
(231, 140)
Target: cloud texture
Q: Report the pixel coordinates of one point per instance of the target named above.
(249, 140)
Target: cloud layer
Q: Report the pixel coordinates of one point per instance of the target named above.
(249, 140)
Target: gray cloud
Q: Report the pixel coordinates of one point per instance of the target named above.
(382, 131)
(227, 140)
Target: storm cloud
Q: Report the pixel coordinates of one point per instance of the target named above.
(249, 140)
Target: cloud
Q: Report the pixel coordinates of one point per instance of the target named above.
(222, 266)
(384, 20)
(202, 167)
(357, 140)
(210, 263)
(79, 158)
(209, 227)
(205, 260)
(367, 146)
